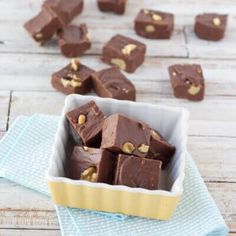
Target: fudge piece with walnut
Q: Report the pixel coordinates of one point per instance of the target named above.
(210, 26)
(74, 78)
(187, 81)
(121, 134)
(87, 121)
(125, 53)
(91, 164)
(154, 24)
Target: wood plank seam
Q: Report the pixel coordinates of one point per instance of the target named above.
(9, 110)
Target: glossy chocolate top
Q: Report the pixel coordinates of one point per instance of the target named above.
(138, 172)
(87, 120)
(74, 34)
(212, 20)
(112, 83)
(122, 134)
(190, 74)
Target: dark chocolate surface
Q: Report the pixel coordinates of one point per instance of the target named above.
(73, 40)
(210, 26)
(160, 149)
(74, 78)
(113, 84)
(87, 121)
(98, 163)
(43, 26)
(124, 53)
(121, 134)
(115, 6)
(138, 172)
(187, 81)
(64, 9)
(154, 24)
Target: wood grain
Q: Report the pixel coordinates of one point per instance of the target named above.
(151, 79)
(4, 106)
(28, 232)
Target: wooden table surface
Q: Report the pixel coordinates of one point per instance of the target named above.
(25, 88)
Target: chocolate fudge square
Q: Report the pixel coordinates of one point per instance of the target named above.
(138, 172)
(74, 78)
(121, 134)
(87, 121)
(91, 164)
(115, 6)
(210, 26)
(124, 53)
(64, 9)
(160, 149)
(154, 24)
(112, 83)
(73, 40)
(43, 26)
(187, 81)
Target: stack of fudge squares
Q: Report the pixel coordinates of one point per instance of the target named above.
(116, 149)
(121, 52)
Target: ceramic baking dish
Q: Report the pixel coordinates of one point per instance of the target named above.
(159, 204)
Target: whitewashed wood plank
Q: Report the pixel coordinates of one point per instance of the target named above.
(224, 196)
(28, 232)
(215, 157)
(205, 116)
(4, 105)
(28, 103)
(224, 49)
(24, 208)
(34, 72)
(44, 218)
(99, 36)
(101, 28)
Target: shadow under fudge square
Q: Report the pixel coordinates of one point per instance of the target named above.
(115, 6)
(160, 149)
(125, 53)
(91, 164)
(73, 40)
(210, 26)
(187, 81)
(87, 122)
(64, 9)
(138, 172)
(121, 134)
(43, 26)
(154, 24)
(112, 83)
(74, 78)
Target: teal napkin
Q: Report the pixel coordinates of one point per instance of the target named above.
(24, 156)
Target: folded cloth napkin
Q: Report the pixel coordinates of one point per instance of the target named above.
(24, 156)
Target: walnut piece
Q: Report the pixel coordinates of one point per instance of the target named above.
(155, 134)
(89, 174)
(156, 17)
(126, 50)
(216, 21)
(38, 35)
(128, 147)
(150, 29)
(70, 83)
(75, 64)
(143, 148)
(119, 63)
(82, 120)
(193, 90)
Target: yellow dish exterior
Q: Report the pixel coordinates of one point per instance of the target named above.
(155, 206)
